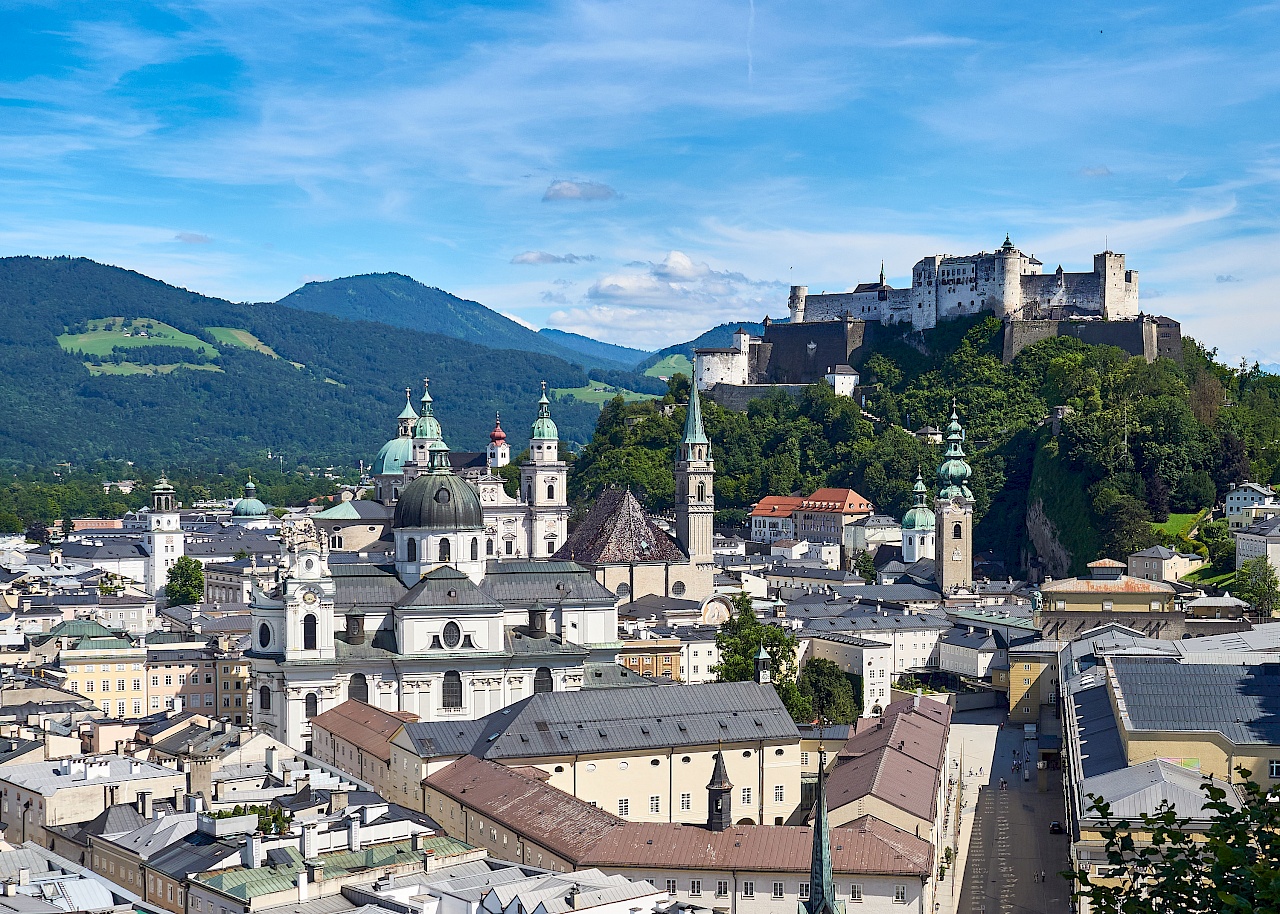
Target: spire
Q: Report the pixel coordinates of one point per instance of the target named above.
(408, 412)
(719, 774)
(693, 430)
(882, 273)
(719, 795)
(953, 475)
(544, 429)
(427, 426)
(822, 890)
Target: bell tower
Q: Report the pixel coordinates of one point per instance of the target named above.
(719, 796)
(953, 509)
(165, 541)
(695, 486)
(544, 483)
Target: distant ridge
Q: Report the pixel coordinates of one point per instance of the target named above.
(401, 301)
(594, 348)
(719, 337)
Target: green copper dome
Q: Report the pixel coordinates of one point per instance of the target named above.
(427, 426)
(543, 428)
(249, 506)
(392, 458)
(919, 516)
(439, 501)
(953, 475)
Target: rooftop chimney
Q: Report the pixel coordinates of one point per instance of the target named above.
(302, 885)
(353, 833)
(144, 803)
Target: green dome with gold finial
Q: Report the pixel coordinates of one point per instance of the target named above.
(427, 426)
(249, 506)
(544, 429)
(919, 516)
(953, 475)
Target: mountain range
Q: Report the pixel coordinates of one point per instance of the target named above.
(100, 362)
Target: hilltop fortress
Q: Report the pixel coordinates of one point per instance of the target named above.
(829, 334)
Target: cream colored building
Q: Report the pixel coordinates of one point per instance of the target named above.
(1161, 563)
(1072, 606)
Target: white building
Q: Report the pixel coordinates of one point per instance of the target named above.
(1259, 540)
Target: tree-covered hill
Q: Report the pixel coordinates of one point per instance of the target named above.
(317, 388)
(594, 348)
(401, 301)
(1141, 440)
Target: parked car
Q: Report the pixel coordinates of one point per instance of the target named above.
(1055, 828)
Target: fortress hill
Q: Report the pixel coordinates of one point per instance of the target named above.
(827, 334)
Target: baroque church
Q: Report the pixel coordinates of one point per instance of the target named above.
(482, 601)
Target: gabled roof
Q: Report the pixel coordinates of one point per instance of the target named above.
(1101, 586)
(356, 509)
(445, 586)
(843, 501)
(1142, 788)
(776, 506)
(617, 531)
(550, 582)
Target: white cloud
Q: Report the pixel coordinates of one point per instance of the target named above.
(192, 238)
(542, 257)
(578, 190)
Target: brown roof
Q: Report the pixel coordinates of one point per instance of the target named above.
(888, 775)
(776, 506)
(864, 846)
(363, 725)
(1122, 584)
(916, 735)
(617, 531)
(1106, 563)
(935, 710)
(538, 812)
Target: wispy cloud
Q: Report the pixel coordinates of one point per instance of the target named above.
(542, 257)
(1096, 171)
(192, 238)
(578, 190)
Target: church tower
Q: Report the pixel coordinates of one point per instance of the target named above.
(822, 891)
(695, 480)
(544, 482)
(498, 454)
(918, 526)
(953, 556)
(166, 543)
(426, 431)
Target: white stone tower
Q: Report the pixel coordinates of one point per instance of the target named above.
(544, 483)
(166, 543)
(498, 453)
(695, 481)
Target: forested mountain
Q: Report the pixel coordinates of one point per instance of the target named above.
(594, 348)
(1141, 440)
(401, 301)
(318, 389)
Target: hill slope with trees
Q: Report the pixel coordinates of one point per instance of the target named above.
(330, 397)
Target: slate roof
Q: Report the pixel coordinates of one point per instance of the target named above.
(1162, 552)
(1240, 702)
(894, 593)
(1097, 732)
(445, 586)
(617, 531)
(568, 723)
(551, 582)
(616, 676)
(364, 584)
(566, 826)
(357, 509)
(977, 640)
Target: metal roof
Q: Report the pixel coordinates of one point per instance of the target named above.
(1131, 792)
(514, 583)
(1097, 732)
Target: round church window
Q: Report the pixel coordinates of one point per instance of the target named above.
(264, 634)
(452, 634)
(678, 588)
(442, 496)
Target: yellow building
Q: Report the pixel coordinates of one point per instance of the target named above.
(109, 671)
(1070, 606)
(1033, 678)
(652, 656)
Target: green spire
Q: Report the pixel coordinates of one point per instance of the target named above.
(693, 430)
(953, 475)
(822, 890)
(544, 429)
(428, 426)
(408, 412)
(918, 516)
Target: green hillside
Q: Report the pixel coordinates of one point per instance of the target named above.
(401, 301)
(718, 337)
(594, 348)
(331, 395)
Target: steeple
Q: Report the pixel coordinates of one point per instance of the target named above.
(882, 273)
(427, 426)
(763, 666)
(719, 795)
(822, 890)
(953, 475)
(693, 430)
(408, 416)
(953, 510)
(544, 429)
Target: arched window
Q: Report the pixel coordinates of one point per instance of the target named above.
(444, 550)
(264, 634)
(528, 493)
(411, 550)
(551, 492)
(451, 694)
(358, 688)
(488, 547)
(957, 532)
(313, 705)
(309, 632)
(542, 680)
(335, 541)
(702, 491)
(264, 699)
(475, 548)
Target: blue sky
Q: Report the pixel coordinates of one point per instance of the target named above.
(641, 171)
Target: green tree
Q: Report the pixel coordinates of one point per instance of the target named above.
(186, 582)
(1256, 583)
(740, 639)
(1232, 867)
(865, 565)
(828, 691)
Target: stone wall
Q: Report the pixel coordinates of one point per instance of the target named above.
(1149, 337)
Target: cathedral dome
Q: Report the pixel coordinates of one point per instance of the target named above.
(249, 506)
(393, 456)
(438, 500)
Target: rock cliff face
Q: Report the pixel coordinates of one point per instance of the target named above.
(1042, 533)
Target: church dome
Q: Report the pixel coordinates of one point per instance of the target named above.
(498, 436)
(440, 501)
(544, 429)
(919, 516)
(393, 456)
(249, 506)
